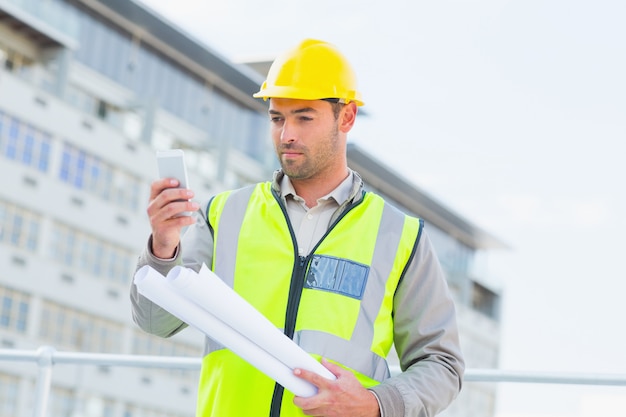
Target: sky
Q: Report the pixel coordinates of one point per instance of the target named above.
(511, 113)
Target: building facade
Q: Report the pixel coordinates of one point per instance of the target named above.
(89, 90)
(458, 243)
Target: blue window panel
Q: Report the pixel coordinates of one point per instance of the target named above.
(44, 155)
(126, 266)
(14, 132)
(16, 233)
(69, 249)
(22, 317)
(5, 316)
(65, 166)
(29, 144)
(2, 127)
(78, 181)
(95, 171)
(3, 218)
(94, 176)
(135, 192)
(79, 178)
(14, 129)
(31, 242)
(81, 161)
(99, 255)
(107, 184)
(111, 265)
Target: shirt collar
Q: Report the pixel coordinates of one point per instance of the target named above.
(339, 194)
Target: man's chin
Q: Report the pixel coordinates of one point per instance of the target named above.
(294, 174)
(291, 170)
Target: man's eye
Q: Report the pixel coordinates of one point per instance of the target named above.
(305, 119)
(275, 119)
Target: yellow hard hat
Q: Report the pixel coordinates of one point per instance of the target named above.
(313, 70)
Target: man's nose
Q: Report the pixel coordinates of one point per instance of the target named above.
(288, 132)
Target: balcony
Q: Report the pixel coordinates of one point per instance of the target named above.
(45, 22)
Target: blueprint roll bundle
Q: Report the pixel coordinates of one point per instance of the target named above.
(205, 302)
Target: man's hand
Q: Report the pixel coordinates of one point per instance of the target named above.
(343, 397)
(166, 204)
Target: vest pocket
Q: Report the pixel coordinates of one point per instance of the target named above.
(341, 276)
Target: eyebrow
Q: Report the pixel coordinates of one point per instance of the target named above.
(296, 111)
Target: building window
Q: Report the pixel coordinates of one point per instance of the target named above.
(455, 257)
(13, 310)
(89, 254)
(94, 106)
(24, 143)
(72, 329)
(62, 402)
(19, 227)
(485, 301)
(93, 405)
(108, 408)
(147, 344)
(8, 395)
(15, 62)
(89, 173)
(81, 100)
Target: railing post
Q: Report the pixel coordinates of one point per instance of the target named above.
(44, 380)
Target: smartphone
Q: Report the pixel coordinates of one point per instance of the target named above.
(171, 164)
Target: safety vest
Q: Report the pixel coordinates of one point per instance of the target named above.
(335, 303)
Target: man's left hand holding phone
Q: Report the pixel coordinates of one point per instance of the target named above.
(170, 206)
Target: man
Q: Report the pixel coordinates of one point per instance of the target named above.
(342, 272)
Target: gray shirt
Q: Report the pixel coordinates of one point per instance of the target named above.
(310, 224)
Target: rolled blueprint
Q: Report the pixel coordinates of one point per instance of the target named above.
(183, 295)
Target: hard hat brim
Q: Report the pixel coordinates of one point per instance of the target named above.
(300, 94)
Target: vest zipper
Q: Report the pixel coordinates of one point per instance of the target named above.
(295, 291)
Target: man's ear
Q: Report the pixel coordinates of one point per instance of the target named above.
(347, 117)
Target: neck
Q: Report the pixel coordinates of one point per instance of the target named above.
(312, 189)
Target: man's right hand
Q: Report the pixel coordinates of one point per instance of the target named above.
(166, 204)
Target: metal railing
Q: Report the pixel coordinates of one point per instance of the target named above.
(46, 357)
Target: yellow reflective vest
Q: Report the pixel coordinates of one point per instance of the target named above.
(336, 303)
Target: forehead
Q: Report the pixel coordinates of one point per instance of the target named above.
(288, 105)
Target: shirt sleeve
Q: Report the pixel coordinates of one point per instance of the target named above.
(198, 243)
(426, 339)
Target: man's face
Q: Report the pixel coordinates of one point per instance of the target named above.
(306, 137)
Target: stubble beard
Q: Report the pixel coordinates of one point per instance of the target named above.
(311, 165)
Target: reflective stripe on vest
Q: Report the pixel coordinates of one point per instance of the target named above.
(345, 310)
